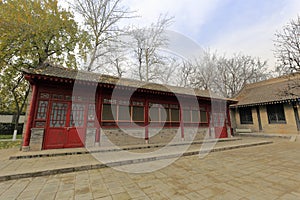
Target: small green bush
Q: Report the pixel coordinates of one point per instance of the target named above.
(9, 144)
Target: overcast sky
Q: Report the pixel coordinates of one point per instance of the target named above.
(228, 26)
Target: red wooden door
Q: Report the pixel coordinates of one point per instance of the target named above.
(67, 126)
(56, 131)
(220, 125)
(75, 136)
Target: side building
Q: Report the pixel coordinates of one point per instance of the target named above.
(270, 106)
(70, 108)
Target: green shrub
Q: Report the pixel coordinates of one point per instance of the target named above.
(9, 144)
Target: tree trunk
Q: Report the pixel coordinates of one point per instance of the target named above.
(16, 124)
(18, 112)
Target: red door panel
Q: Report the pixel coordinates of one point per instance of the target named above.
(54, 139)
(219, 124)
(75, 138)
(67, 126)
(56, 132)
(76, 129)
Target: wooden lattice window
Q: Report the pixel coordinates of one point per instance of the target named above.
(58, 115)
(77, 115)
(42, 110)
(44, 95)
(91, 112)
(58, 96)
(91, 115)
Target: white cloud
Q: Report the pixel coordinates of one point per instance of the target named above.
(189, 14)
(257, 40)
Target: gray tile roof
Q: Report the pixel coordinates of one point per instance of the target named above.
(276, 90)
(60, 72)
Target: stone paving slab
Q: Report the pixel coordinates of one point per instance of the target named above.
(263, 172)
(22, 168)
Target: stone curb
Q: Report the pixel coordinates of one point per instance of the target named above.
(39, 155)
(261, 135)
(124, 162)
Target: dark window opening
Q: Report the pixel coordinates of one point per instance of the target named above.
(246, 115)
(138, 113)
(195, 116)
(124, 113)
(276, 114)
(154, 114)
(187, 116)
(109, 112)
(175, 115)
(203, 116)
(164, 114)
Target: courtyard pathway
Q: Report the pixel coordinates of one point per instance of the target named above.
(40, 166)
(260, 172)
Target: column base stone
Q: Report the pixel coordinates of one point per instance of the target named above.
(25, 148)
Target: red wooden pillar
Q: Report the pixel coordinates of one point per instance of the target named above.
(146, 121)
(98, 113)
(30, 117)
(181, 123)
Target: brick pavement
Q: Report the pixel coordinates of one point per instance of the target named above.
(13, 169)
(261, 172)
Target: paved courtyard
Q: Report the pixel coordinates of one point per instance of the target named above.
(263, 172)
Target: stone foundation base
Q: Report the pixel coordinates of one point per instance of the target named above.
(90, 137)
(36, 139)
(127, 136)
(25, 148)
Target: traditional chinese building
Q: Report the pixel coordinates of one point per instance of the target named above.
(70, 108)
(270, 106)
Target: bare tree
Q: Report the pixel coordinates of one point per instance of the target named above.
(185, 74)
(204, 70)
(146, 44)
(168, 73)
(101, 18)
(287, 47)
(226, 76)
(233, 73)
(116, 61)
